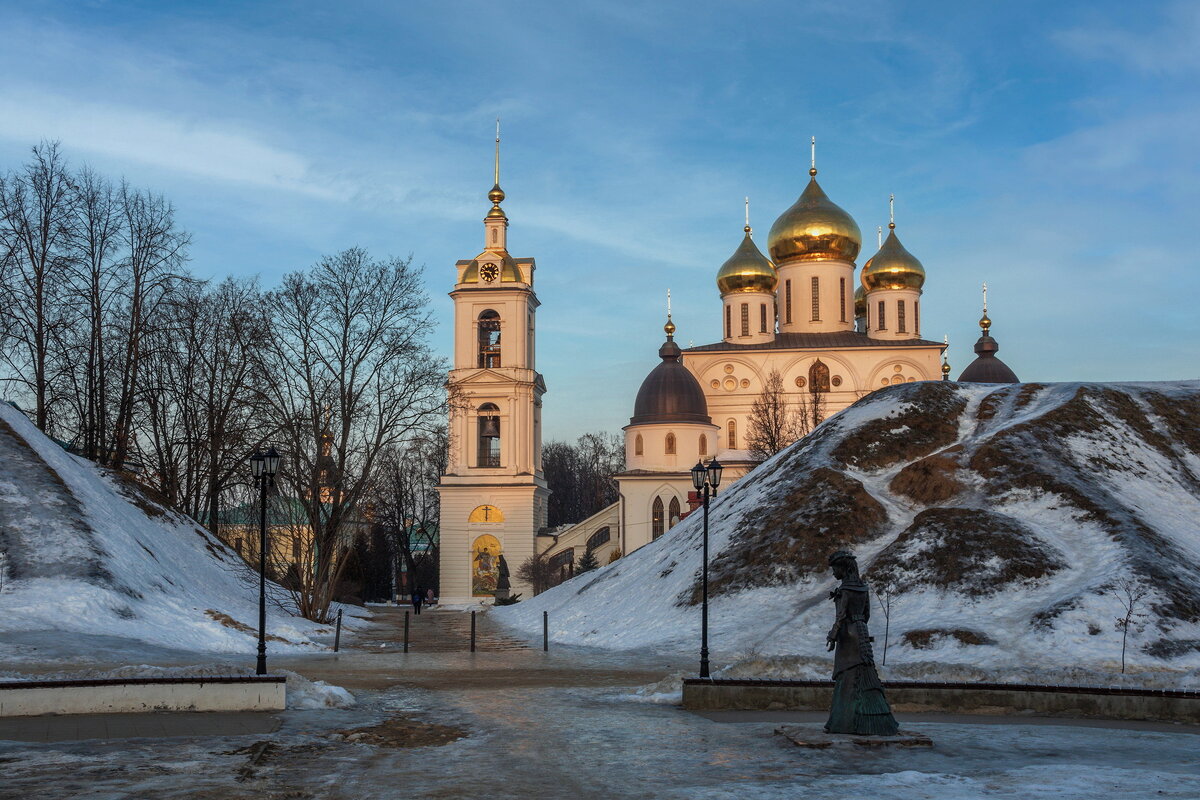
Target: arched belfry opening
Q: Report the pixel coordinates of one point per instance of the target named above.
(489, 339)
(489, 435)
(657, 519)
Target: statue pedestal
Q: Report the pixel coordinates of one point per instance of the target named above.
(814, 737)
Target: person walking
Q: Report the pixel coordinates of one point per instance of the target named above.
(417, 597)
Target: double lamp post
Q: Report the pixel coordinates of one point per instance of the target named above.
(706, 480)
(264, 466)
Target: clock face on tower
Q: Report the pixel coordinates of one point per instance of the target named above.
(489, 272)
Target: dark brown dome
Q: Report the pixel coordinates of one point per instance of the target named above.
(670, 393)
(986, 368)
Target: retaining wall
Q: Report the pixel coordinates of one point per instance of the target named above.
(124, 695)
(704, 694)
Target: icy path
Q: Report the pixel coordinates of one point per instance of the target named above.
(567, 724)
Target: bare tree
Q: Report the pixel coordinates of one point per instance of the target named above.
(347, 373)
(1131, 594)
(885, 595)
(36, 207)
(773, 423)
(537, 572)
(580, 476)
(155, 251)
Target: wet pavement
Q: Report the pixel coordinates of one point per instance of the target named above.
(570, 723)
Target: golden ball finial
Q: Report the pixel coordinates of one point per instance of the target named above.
(812, 172)
(496, 195)
(945, 367)
(669, 328)
(747, 230)
(985, 324)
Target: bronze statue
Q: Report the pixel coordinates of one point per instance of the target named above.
(503, 587)
(859, 706)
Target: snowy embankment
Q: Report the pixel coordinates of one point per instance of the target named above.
(87, 562)
(1002, 518)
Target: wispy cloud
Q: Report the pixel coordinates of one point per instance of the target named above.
(1170, 47)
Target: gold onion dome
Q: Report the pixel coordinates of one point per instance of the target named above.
(860, 302)
(893, 267)
(496, 195)
(747, 270)
(814, 228)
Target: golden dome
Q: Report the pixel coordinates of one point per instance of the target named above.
(814, 228)
(495, 211)
(496, 195)
(506, 268)
(747, 270)
(860, 302)
(893, 267)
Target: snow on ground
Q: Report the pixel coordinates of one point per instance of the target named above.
(1093, 482)
(84, 563)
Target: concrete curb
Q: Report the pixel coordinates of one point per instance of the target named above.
(131, 695)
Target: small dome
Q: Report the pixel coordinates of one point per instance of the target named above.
(893, 267)
(814, 228)
(507, 268)
(860, 302)
(670, 392)
(496, 195)
(747, 270)
(986, 368)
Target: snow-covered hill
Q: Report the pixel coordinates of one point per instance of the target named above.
(1003, 517)
(87, 561)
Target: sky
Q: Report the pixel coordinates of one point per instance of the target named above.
(1048, 149)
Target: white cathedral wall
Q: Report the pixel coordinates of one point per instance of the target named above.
(654, 454)
(835, 296)
(755, 303)
(891, 299)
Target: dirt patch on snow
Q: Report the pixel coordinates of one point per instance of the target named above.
(967, 551)
(926, 638)
(791, 537)
(402, 731)
(925, 423)
(230, 622)
(931, 480)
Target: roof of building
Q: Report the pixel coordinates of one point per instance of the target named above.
(670, 393)
(816, 341)
(986, 368)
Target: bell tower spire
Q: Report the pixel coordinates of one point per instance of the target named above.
(495, 224)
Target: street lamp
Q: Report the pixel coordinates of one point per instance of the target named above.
(706, 480)
(263, 466)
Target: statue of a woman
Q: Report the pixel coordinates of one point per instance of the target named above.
(859, 706)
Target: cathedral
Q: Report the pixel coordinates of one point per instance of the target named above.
(799, 311)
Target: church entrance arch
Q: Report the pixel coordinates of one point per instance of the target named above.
(485, 565)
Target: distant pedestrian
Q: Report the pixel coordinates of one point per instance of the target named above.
(417, 597)
(429, 597)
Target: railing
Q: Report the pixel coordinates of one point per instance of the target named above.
(489, 460)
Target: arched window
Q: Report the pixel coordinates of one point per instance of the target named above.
(762, 318)
(489, 435)
(728, 322)
(842, 296)
(598, 538)
(703, 445)
(745, 319)
(816, 299)
(731, 434)
(917, 317)
(656, 519)
(495, 235)
(818, 377)
(670, 448)
(901, 321)
(881, 319)
(637, 445)
(673, 516)
(489, 339)
(787, 300)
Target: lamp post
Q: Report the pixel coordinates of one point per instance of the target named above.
(264, 466)
(706, 480)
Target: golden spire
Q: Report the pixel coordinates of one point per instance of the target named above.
(985, 324)
(891, 212)
(669, 328)
(496, 195)
(812, 170)
(945, 361)
(878, 236)
(747, 228)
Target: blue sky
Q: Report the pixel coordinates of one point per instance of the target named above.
(1047, 148)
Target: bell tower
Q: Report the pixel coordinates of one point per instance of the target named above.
(493, 495)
